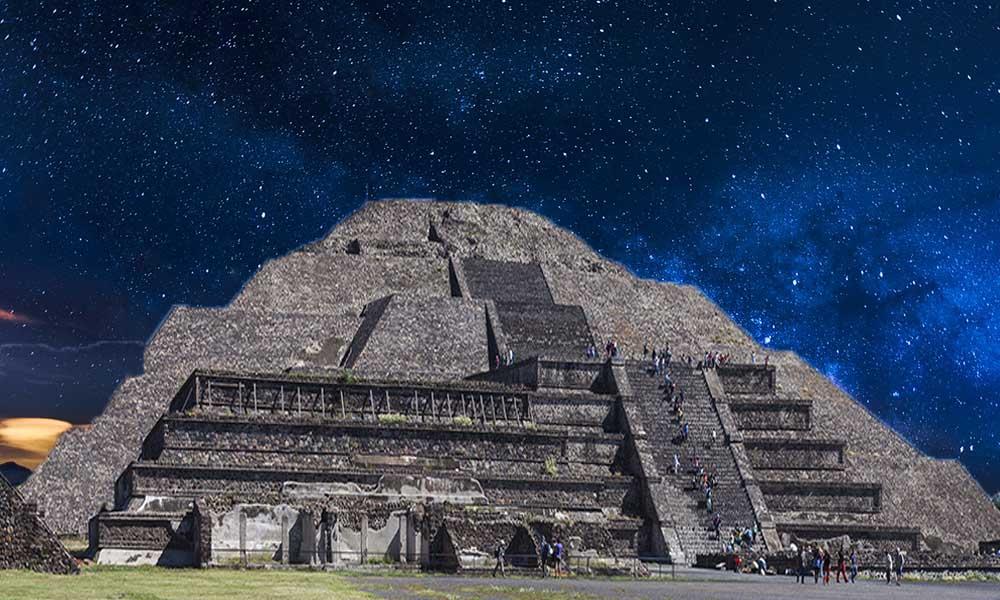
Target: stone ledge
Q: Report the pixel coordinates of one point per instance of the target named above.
(495, 432)
(608, 481)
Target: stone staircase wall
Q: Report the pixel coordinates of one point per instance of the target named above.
(831, 480)
(686, 502)
(532, 324)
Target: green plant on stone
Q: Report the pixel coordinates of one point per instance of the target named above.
(551, 469)
(378, 560)
(347, 376)
(391, 418)
(462, 421)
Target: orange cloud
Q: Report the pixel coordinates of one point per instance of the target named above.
(29, 441)
(11, 317)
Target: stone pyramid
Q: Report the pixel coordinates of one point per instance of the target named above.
(25, 541)
(435, 293)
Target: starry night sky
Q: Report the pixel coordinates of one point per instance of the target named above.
(828, 174)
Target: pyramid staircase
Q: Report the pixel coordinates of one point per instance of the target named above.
(685, 500)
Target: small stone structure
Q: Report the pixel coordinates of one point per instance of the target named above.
(25, 541)
(355, 402)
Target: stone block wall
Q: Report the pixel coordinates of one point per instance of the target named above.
(308, 283)
(193, 338)
(549, 330)
(144, 531)
(583, 412)
(262, 485)
(866, 536)
(828, 496)
(937, 496)
(506, 282)
(771, 416)
(747, 379)
(570, 375)
(795, 454)
(311, 397)
(440, 337)
(634, 311)
(466, 229)
(79, 475)
(370, 317)
(186, 440)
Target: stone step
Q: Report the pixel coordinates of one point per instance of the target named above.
(160, 479)
(692, 519)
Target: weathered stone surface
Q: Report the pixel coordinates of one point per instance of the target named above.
(439, 338)
(25, 541)
(79, 474)
(339, 284)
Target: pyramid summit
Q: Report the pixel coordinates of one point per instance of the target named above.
(431, 377)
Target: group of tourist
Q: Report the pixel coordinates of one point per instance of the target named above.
(506, 359)
(706, 482)
(819, 561)
(611, 350)
(741, 538)
(661, 359)
(714, 359)
(894, 565)
(550, 557)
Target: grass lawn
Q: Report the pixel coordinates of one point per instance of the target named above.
(150, 583)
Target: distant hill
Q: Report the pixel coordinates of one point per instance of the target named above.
(14, 473)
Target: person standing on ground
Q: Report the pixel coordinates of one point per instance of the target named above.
(854, 565)
(817, 563)
(899, 565)
(841, 565)
(557, 556)
(826, 567)
(545, 550)
(498, 554)
(888, 567)
(803, 565)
